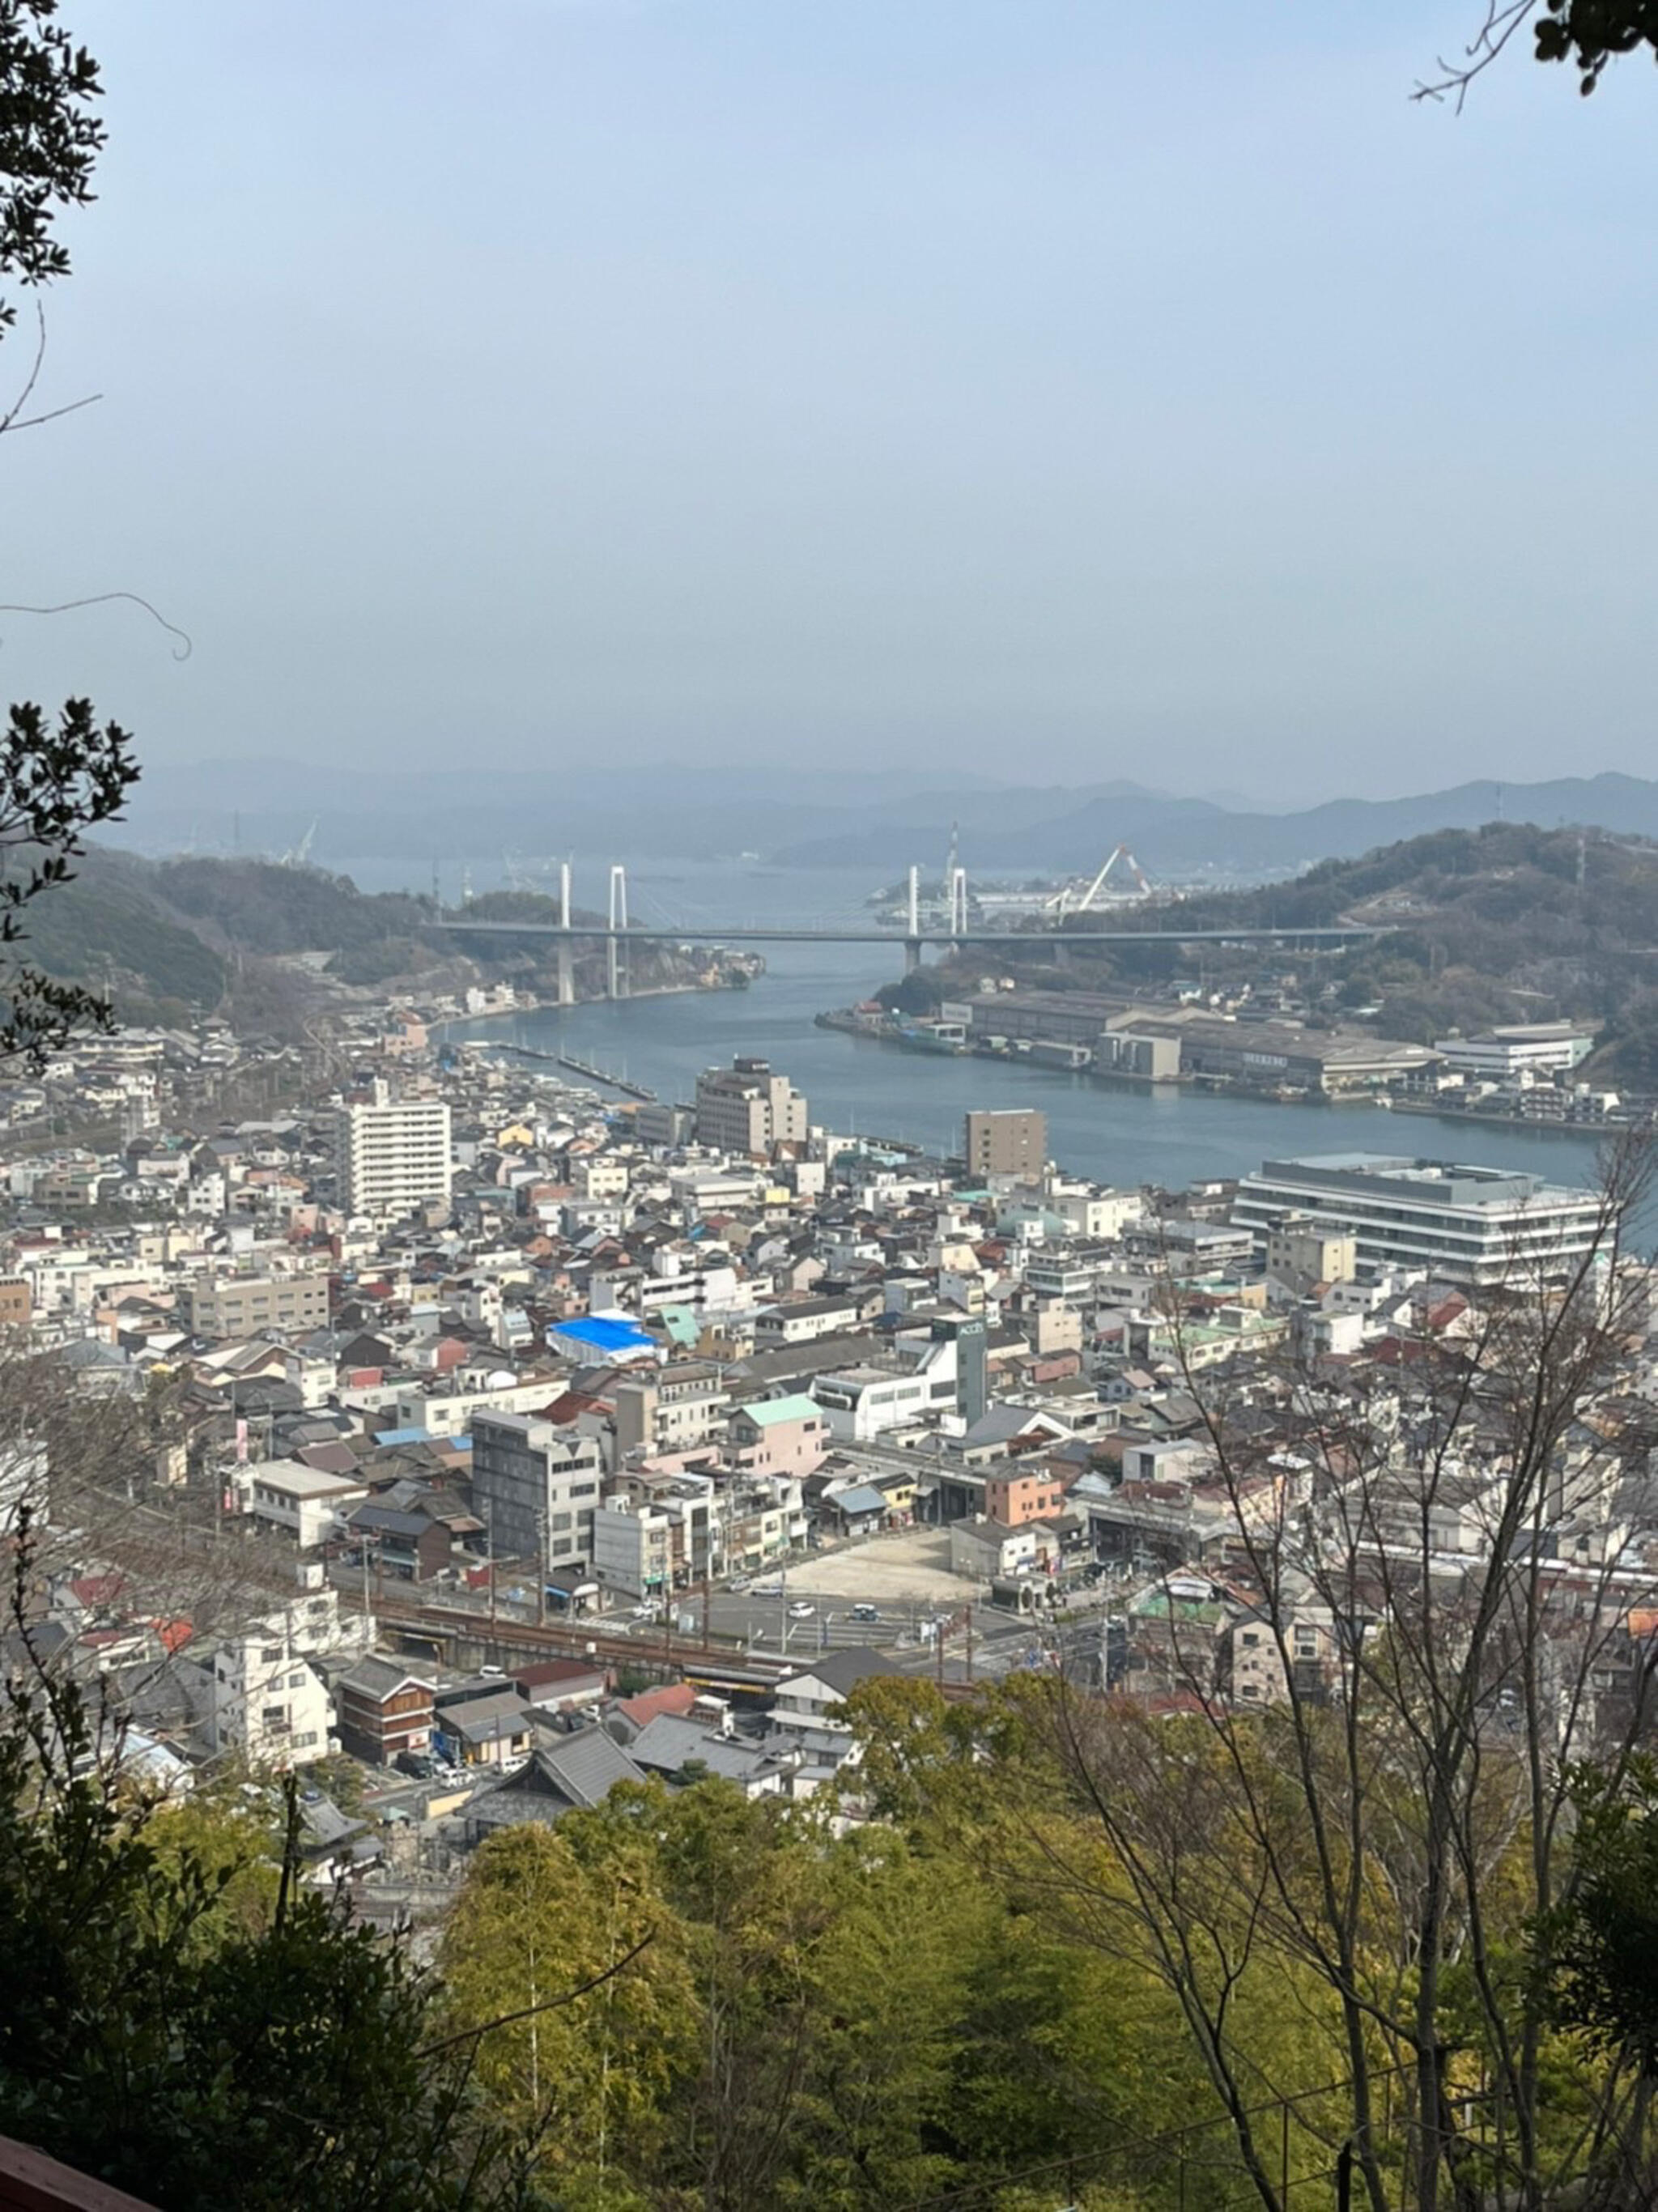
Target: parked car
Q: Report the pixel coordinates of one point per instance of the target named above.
(865, 1613)
(802, 1609)
(738, 1584)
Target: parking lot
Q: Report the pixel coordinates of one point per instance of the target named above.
(911, 1567)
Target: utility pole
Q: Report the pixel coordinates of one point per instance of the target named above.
(541, 1567)
(969, 1641)
(490, 1560)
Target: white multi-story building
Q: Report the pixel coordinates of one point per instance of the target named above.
(863, 1402)
(1521, 1048)
(306, 1502)
(269, 1704)
(651, 1537)
(633, 1547)
(393, 1155)
(1480, 1226)
(808, 1713)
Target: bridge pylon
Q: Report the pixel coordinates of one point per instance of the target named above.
(912, 932)
(616, 979)
(566, 949)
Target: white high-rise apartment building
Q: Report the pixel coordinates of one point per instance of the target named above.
(391, 1155)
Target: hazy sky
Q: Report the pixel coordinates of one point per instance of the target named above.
(1052, 387)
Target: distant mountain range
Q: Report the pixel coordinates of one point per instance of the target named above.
(1188, 837)
(815, 817)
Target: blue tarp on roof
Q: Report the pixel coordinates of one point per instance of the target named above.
(607, 1336)
(403, 1436)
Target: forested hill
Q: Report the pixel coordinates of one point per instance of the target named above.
(168, 937)
(1505, 923)
(1525, 892)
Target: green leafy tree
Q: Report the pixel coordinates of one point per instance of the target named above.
(1601, 1943)
(197, 2025)
(61, 775)
(580, 2078)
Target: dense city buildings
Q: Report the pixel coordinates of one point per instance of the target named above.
(501, 1395)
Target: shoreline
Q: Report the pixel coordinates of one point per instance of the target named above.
(842, 1023)
(528, 1006)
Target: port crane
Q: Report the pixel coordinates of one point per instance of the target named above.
(1062, 902)
(298, 855)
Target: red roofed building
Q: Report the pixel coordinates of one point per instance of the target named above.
(635, 1713)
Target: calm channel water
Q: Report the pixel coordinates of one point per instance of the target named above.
(1126, 1137)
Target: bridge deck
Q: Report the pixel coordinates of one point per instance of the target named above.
(1009, 939)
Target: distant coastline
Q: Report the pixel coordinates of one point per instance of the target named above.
(842, 1020)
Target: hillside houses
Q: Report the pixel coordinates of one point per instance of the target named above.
(598, 1372)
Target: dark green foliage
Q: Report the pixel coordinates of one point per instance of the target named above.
(99, 928)
(57, 780)
(63, 776)
(49, 139)
(1509, 922)
(157, 2033)
(514, 906)
(263, 907)
(923, 991)
(1602, 1945)
(1590, 33)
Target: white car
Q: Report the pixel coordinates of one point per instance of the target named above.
(802, 1609)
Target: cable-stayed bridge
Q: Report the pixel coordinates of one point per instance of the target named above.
(938, 923)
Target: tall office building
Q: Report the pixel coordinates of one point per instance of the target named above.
(535, 1487)
(744, 1107)
(1009, 1142)
(391, 1155)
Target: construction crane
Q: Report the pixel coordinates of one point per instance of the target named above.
(297, 855)
(1061, 902)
